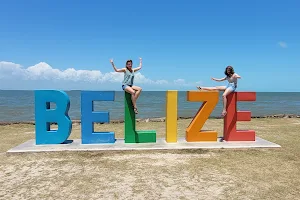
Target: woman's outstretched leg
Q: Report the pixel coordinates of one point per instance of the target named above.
(220, 88)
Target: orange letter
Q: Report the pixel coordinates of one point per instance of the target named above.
(232, 116)
(193, 131)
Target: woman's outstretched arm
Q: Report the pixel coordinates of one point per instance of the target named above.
(140, 66)
(237, 76)
(116, 70)
(219, 80)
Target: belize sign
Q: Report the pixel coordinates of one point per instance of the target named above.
(44, 116)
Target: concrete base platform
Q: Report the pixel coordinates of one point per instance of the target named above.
(75, 145)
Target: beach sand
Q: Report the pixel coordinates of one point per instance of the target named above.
(168, 174)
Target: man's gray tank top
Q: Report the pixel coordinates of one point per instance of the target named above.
(128, 77)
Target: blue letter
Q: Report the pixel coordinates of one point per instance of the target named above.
(44, 116)
(88, 117)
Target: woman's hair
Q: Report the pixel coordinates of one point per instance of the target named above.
(128, 62)
(231, 71)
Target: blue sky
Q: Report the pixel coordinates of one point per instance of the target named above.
(67, 44)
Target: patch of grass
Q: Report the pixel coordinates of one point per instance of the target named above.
(163, 174)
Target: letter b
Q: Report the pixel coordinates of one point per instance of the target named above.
(44, 115)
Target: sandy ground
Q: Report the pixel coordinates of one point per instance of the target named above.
(168, 174)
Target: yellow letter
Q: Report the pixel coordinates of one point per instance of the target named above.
(171, 116)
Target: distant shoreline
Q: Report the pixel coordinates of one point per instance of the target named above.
(158, 119)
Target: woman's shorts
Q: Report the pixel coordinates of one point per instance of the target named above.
(124, 86)
(232, 87)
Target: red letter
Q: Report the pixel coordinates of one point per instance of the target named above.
(232, 116)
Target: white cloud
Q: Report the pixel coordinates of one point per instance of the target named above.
(43, 71)
(282, 44)
(161, 82)
(141, 79)
(179, 81)
(183, 83)
(43, 76)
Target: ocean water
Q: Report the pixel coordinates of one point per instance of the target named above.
(16, 106)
